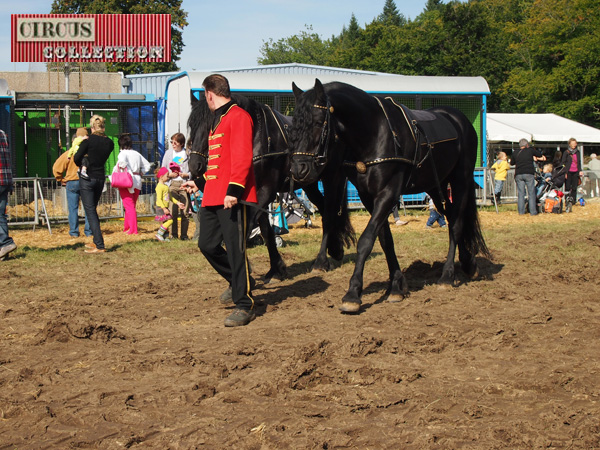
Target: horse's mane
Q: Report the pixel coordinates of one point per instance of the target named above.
(201, 117)
(343, 95)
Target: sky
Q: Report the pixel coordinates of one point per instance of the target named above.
(229, 34)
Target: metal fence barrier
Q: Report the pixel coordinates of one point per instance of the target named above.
(42, 201)
(589, 187)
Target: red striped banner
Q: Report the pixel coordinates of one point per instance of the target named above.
(91, 37)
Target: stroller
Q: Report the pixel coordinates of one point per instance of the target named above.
(287, 209)
(558, 179)
(548, 193)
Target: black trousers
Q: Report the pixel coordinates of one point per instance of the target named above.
(571, 184)
(219, 225)
(90, 192)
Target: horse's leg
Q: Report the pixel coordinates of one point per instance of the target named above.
(278, 268)
(463, 227)
(313, 193)
(336, 228)
(468, 232)
(351, 301)
(398, 288)
(448, 273)
(339, 228)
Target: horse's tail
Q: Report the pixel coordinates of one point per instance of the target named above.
(342, 234)
(472, 234)
(344, 230)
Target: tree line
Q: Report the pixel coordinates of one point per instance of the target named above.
(538, 56)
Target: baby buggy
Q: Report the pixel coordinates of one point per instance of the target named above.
(549, 197)
(545, 186)
(558, 179)
(287, 209)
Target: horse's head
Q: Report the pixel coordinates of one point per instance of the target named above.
(312, 134)
(199, 124)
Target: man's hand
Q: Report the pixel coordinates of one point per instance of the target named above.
(190, 187)
(230, 202)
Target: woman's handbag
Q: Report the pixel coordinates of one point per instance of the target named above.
(121, 179)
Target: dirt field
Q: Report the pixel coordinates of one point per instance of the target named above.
(127, 351)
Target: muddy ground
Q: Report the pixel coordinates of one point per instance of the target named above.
(126, 351)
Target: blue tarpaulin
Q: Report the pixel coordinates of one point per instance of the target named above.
(161, 107)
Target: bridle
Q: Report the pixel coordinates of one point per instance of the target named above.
(195, 152)
(321, 155)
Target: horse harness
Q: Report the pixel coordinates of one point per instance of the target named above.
(323, 148)
(282, 129)
(427, 130)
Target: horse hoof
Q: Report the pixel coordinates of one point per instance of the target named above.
(336, 263)
(271, 280)
(350, 307)
(446, 280)
(395, 298)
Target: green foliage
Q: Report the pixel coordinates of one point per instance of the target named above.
(390, 15)
(172, 7)
(536, 55)
(304, 48)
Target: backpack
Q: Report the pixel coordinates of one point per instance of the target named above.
(553, 205)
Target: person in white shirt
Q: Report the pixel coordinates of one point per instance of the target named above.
(594, 165)
(136, 165)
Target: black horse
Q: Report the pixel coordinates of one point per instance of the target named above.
(387, 150)
(271, 164)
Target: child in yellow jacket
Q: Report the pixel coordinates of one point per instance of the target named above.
(163, 201)
(80, 135)
(500, 167)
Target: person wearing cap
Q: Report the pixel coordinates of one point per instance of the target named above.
(163, 204)
(178, 154)
(178, 194)
(525, 175)
(229, 187)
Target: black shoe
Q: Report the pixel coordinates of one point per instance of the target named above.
(239, 317)
(83, 176)
(226, 297)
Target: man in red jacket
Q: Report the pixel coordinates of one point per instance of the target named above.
(229, 186)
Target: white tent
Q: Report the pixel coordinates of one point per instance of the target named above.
(538, 128)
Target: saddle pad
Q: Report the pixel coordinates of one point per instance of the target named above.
(432, 128)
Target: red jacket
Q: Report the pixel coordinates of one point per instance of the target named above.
(229, 170)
